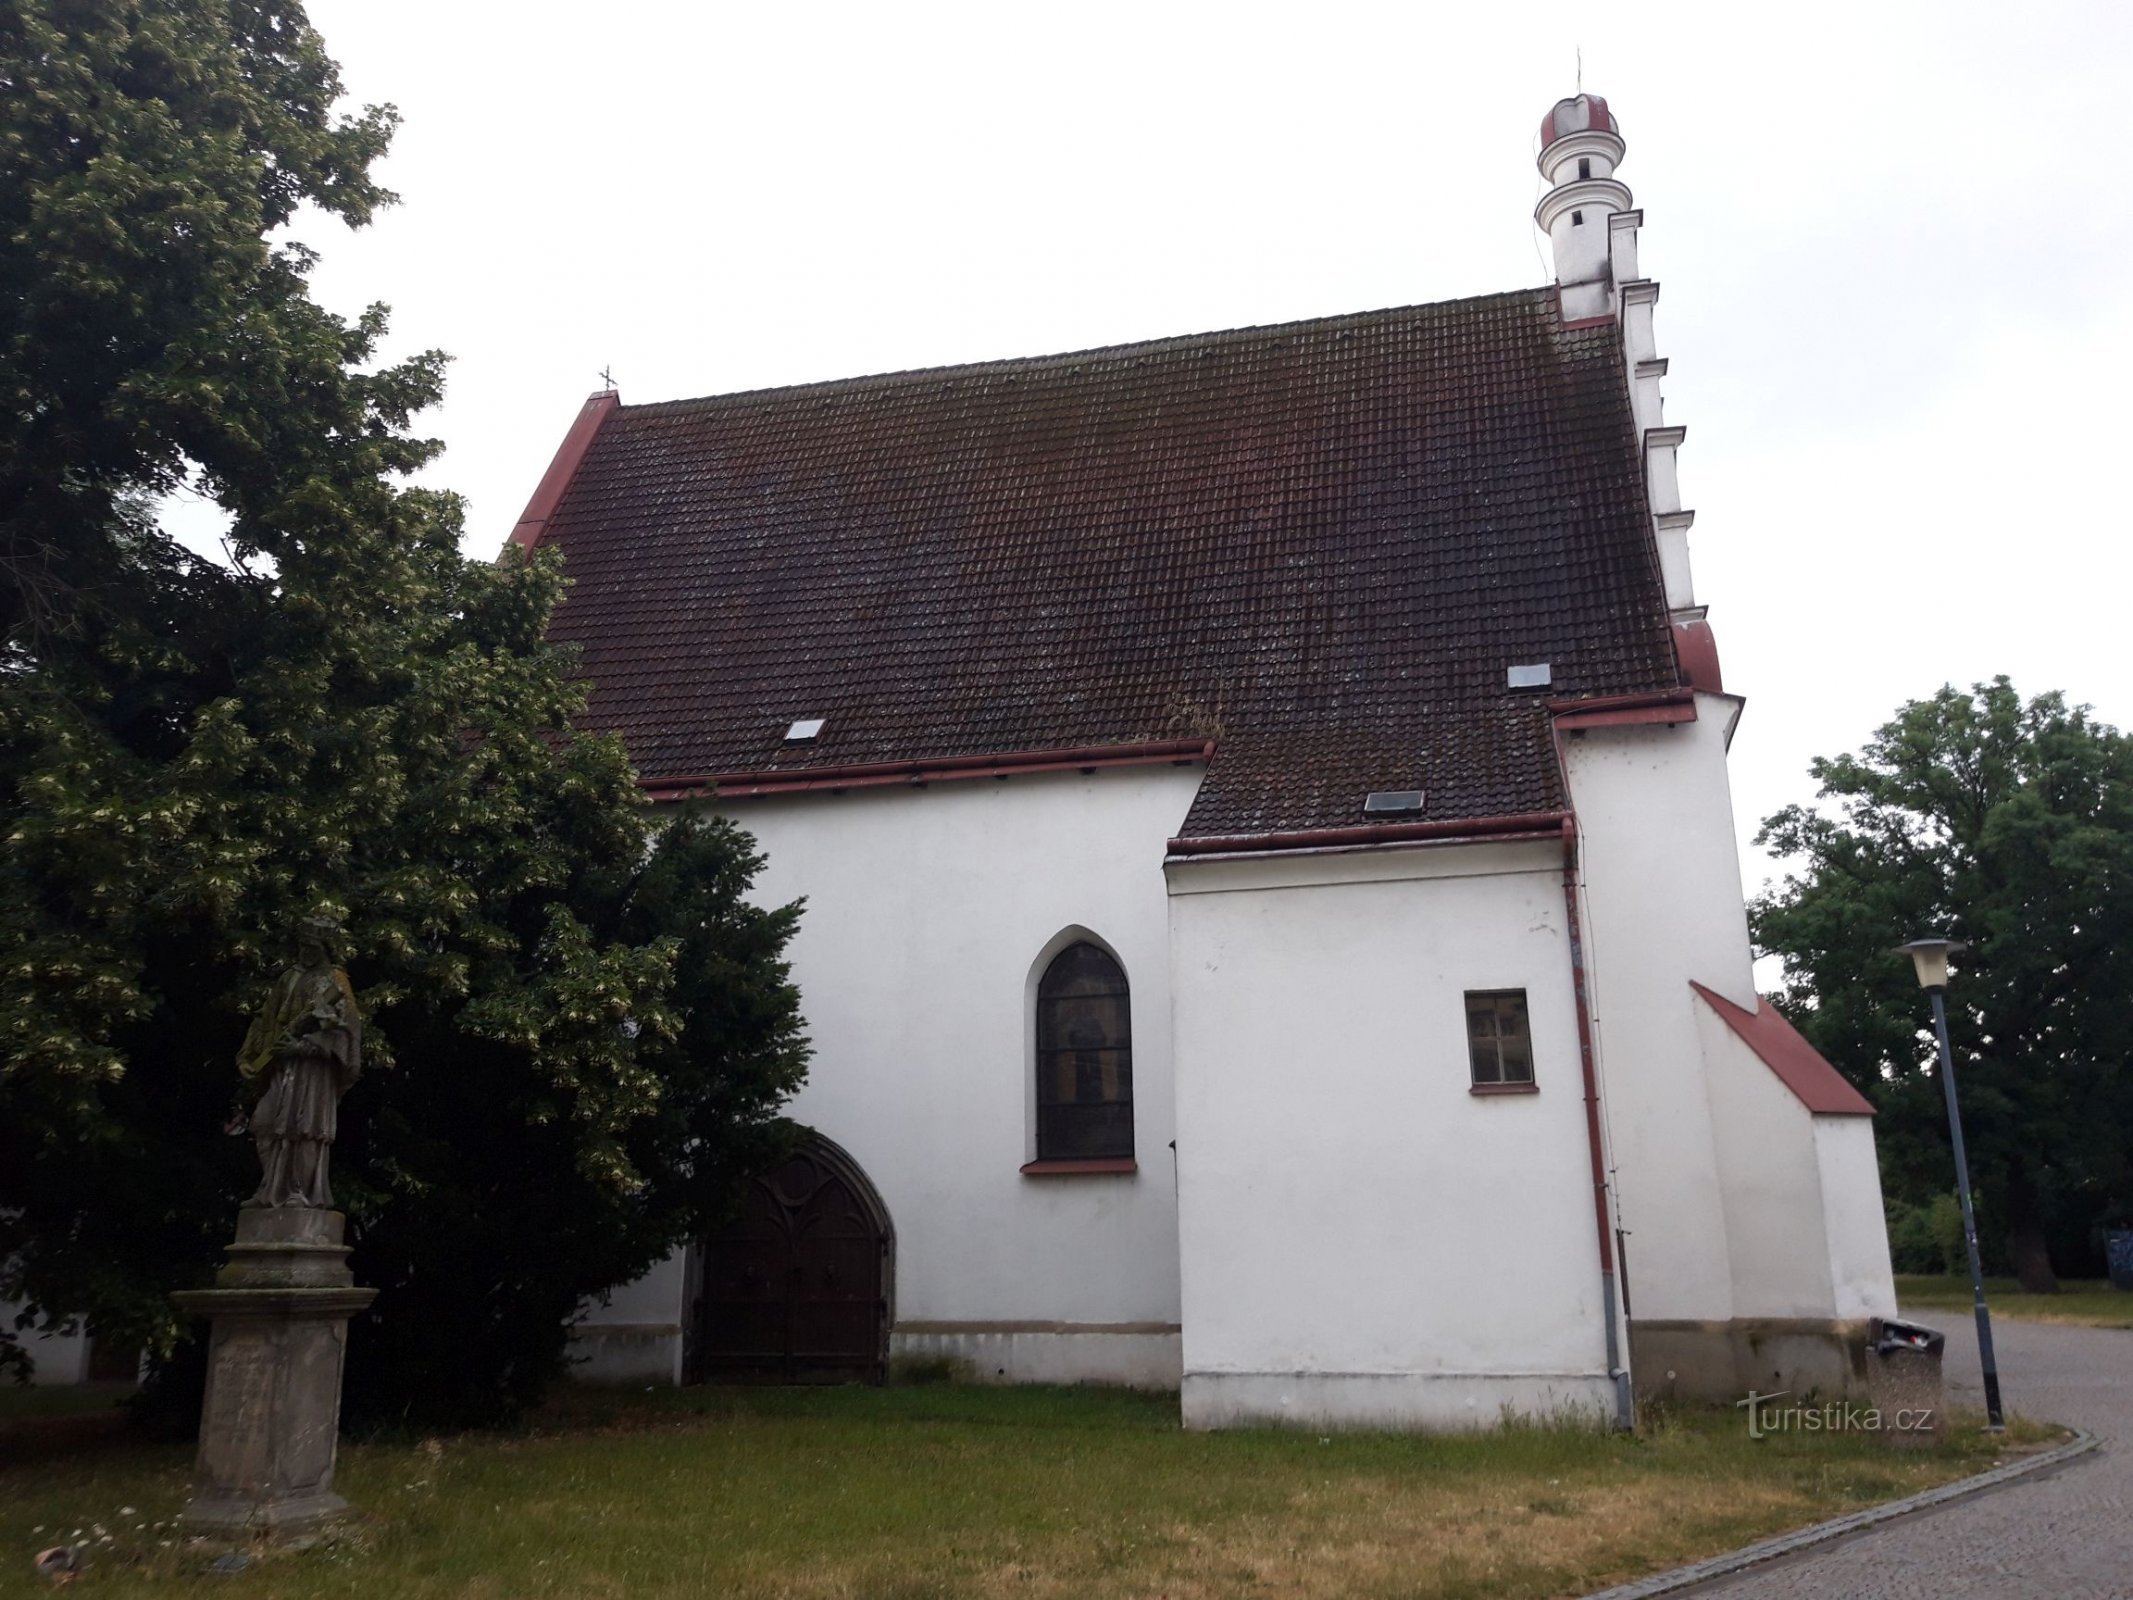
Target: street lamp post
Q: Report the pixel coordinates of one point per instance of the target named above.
(1930, 958)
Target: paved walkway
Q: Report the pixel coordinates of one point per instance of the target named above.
(2067, 1535)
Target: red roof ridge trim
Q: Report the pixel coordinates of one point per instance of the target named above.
(548, 494)
(932, 769)
(1781, 1047)
(1536, 824)
(1162, 344)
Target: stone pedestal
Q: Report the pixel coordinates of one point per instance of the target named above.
(271, 1419)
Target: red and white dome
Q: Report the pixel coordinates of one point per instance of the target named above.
(1579, 114)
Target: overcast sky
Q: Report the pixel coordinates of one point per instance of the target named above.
(1894, 244)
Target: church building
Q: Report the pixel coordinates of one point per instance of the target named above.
(1274, 925)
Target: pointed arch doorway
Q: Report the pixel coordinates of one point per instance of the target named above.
(796, 1289)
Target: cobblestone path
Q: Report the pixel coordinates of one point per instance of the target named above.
(2067, 1535)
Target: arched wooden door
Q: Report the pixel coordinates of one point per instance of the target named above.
(796, 1289)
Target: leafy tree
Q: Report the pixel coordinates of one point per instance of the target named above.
(2010, 825)
(578, 1028)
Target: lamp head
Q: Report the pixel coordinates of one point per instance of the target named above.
(1930, 958)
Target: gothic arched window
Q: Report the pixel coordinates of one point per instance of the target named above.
(1084, 1058)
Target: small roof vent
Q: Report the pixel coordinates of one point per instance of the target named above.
(1393, 802)
(804, 731)
(1533, 675)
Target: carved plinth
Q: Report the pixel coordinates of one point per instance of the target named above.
(271, 1420)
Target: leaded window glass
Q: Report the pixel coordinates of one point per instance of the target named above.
(1084, 1057)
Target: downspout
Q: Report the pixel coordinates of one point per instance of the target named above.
(1625, 1415)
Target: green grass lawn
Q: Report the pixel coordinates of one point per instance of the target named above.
(20, 1403)
(2084, 1302)
(954, 1491)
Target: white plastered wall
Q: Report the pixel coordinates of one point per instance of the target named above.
(633, 1334)
(1803, 1192)
(928, 913)
(61, 1358)
(1662, 897)
(1738, 1202)
(1365, 1241)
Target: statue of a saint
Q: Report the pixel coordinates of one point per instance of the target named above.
(302, 1052)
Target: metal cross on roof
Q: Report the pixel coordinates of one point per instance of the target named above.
(607, 376)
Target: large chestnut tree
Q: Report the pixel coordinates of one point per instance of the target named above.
(2007, 823)
(580, 1028)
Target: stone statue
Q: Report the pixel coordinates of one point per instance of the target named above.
(303, 1051)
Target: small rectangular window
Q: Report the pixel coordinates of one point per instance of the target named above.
(1499, 1043)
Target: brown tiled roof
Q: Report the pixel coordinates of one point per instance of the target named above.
(1320, 544)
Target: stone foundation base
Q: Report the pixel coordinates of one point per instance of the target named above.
(1134, 1355)
(1719, 1361)
(1409, 1401)
(637, 1353)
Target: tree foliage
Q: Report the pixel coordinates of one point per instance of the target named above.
(578, 1027)
(2008, 824)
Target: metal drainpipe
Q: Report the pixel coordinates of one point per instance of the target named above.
(1625, 1414)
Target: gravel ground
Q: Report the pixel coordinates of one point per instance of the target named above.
(2067, 1535)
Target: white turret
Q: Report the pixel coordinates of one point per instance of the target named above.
(1581, 145)
(1588, 218)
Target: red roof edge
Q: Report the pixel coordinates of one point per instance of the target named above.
(1696, 648)
(533, 521)
(1817, 1085)
(1610, 702)
(1622, 710)
(1539, 824)
(933, 769)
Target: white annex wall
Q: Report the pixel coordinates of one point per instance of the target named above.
(1662, 899)
(1858, 1229)
(1773, 1181)
(1364, 1239)
(1755, 1237)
